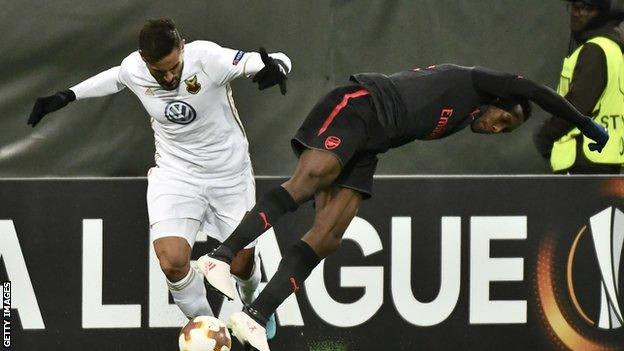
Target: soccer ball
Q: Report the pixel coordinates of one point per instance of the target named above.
(205, 333)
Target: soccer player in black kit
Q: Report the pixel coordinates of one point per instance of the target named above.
(337, 147)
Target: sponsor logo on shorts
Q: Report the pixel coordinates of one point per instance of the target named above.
(332, 142)
(192, 85)
(180, 112)
(238, 57)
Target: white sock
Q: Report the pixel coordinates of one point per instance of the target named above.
(248, 289)
(190, 295)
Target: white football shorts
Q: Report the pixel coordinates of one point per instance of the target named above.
(218, 204)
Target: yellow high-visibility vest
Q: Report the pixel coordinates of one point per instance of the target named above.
(609, 111)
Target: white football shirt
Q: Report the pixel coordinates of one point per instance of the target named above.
(197, 129)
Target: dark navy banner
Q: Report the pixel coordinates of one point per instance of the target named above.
(430, 263)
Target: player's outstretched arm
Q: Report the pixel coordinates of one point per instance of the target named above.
(47, 104)
(102, 84)
(507, 85)
(273, 73)
(224, 65)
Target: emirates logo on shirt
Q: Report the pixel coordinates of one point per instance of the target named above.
(445, 116)
(332, 142)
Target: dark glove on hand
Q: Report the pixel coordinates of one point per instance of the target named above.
(274, 72)
(597, 133)
(47, 104)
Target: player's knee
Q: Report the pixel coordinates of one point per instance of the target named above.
(317, 172)
(175, 266)
(321, 171)
(328, 239)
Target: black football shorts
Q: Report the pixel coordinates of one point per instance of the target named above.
(339, 124)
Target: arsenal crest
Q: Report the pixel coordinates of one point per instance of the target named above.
(192, 85)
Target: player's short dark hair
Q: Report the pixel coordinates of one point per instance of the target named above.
(158, 38)
(527, 109)
(510, 105)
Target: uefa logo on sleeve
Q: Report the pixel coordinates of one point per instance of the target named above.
(180, 112)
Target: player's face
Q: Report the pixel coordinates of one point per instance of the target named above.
(580, 15)
(168, 70)
(496, 120)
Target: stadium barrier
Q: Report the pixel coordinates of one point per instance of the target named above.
(430, 263)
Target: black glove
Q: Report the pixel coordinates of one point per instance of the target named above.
(274, 72)
(597, 133)
(47, 104)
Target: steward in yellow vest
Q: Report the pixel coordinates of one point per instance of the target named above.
(592, 79)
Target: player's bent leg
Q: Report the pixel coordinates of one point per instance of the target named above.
(336, 207)
(185, 284)
(315, 169)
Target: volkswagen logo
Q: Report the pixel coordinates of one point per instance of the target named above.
(180, 112)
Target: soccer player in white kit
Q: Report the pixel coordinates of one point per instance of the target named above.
(203, 177)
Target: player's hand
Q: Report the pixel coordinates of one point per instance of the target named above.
(274, 72)
(597, 133)
(47, 104)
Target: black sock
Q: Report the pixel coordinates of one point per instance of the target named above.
(293, 270)
(267, 211)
